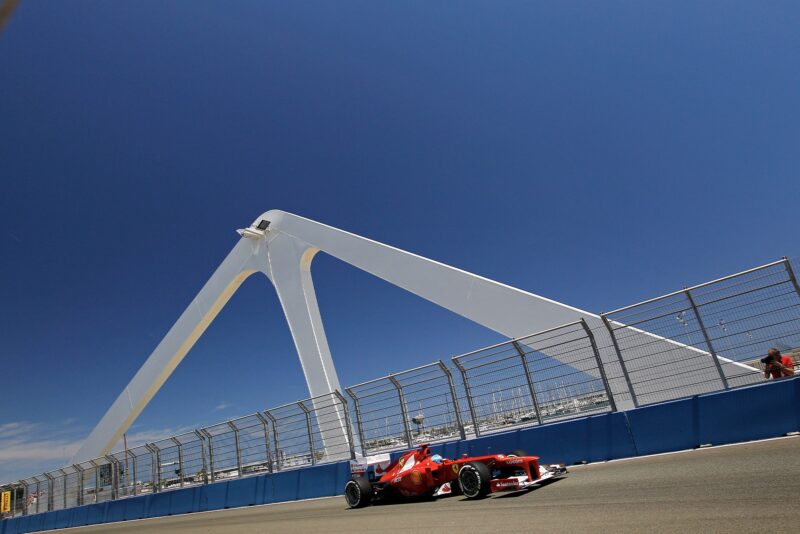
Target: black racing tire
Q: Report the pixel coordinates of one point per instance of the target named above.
(358, 492)
(455, 488)
(517, 453)
(474, 479)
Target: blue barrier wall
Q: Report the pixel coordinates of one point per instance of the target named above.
(744, 414)
(320, 481)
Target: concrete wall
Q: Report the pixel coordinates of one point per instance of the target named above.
(745, 414)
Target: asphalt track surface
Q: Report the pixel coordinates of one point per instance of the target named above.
(751, 487)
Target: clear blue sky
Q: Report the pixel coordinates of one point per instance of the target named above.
(595, 153)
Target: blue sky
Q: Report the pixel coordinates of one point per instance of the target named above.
(594, 153)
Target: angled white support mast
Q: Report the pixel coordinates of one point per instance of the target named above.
(282, 246)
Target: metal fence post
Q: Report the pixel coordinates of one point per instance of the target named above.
(118, 470)
(9, 488)
(265, 424)
(274, 439)
(788, 265)
(708, 339)
(453, 395)
(203, 455)
(111, 470)
(49, 491)
(469, 396)
(126, 484)
(14, 500)
(79, 470)
(155, 454)
(135, 458)
(135, 472)
(180, 459)
(210, 439)
(403, 409)
(359, 423)
(349, 424)
(26, 496)
(38, 491)
(621, 360)
(308, 429)
(528, 379)
(114, 477)
(600, 366)
(468, 391)
(64, 488)
(96, 479)
(238, 448)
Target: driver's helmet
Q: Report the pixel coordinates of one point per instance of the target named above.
(436, 458)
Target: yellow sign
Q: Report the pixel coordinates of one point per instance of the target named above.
(5, 502)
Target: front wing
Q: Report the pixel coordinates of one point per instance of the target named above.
(516, 483)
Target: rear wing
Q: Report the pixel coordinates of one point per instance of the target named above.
(371, 467)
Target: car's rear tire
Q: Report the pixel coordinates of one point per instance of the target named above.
(358, 492)
(517, 453)
(474, 480)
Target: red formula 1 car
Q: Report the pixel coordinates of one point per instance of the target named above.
(420, 474)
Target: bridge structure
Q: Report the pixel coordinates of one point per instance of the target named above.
(587, 390)
(282, 246)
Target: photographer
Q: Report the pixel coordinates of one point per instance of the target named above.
(777, 365)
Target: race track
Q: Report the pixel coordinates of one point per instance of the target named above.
(742, 488)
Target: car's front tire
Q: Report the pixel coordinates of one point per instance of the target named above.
(474, 480)
(358, 492)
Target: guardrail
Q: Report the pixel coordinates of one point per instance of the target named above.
(406, 409)
(552, 375)
(701, 339)
(708, 337)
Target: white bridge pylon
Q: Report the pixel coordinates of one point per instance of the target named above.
(282, 246)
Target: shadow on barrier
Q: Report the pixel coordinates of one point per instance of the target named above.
(749, 413)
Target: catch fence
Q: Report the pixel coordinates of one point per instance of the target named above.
(407, 409)
(552, 375)
(708, 337)
(701, 339)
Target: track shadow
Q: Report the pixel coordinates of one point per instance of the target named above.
(399, 501)
(515, 494)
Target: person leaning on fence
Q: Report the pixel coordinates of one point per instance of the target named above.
(777, 365)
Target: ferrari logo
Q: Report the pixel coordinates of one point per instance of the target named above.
(455, 468)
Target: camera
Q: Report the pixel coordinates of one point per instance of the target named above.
(769, 359)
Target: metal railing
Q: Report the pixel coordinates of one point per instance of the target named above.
(407, 408)
(552, 375)
(705, 338)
